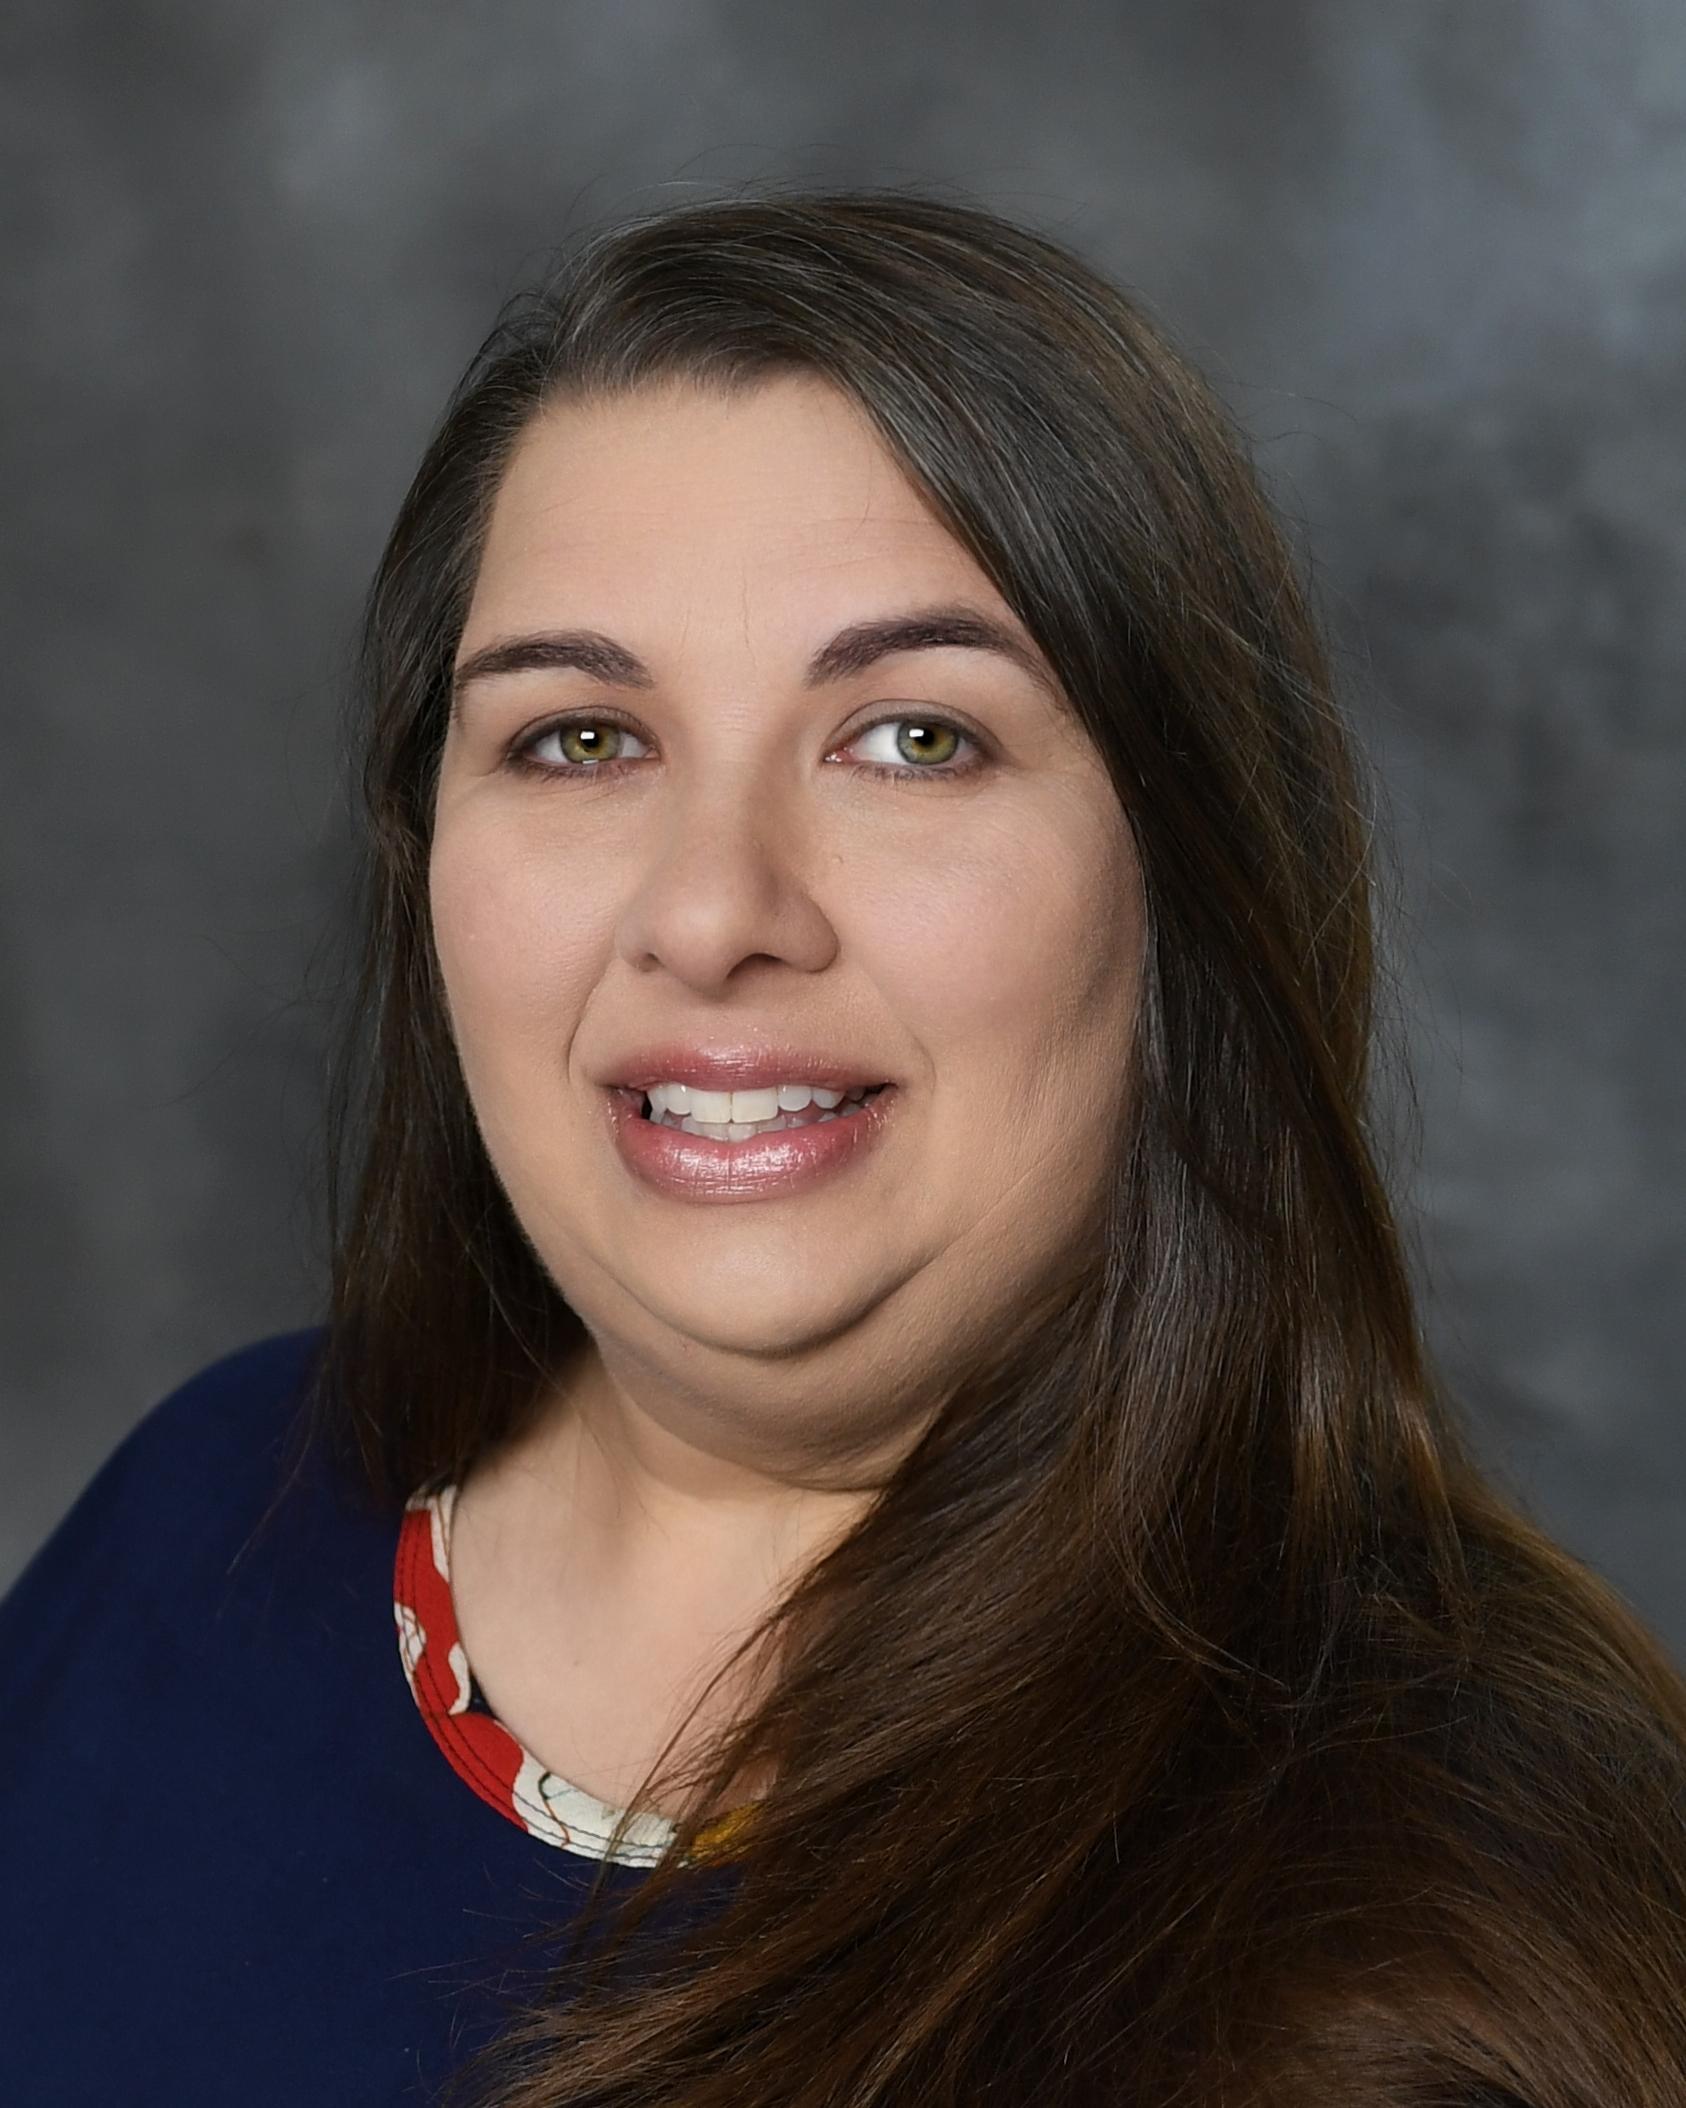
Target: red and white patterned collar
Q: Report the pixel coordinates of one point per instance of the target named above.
(480, 1749)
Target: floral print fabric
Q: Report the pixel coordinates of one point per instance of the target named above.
(481, 1750)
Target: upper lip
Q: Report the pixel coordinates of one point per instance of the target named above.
(740, 1068)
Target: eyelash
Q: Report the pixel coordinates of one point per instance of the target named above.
(520, 758)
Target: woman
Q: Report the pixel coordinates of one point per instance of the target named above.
(869, 1366)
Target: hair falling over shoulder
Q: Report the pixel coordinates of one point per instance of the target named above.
(1232, 1741)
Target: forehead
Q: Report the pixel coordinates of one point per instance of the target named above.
(782, 488)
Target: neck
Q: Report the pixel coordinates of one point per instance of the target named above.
(609, 1559)
(644, 1502)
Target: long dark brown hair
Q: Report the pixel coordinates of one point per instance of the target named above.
(1189, 1719)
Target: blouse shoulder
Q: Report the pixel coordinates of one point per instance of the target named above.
(178, 1495)
(230, 1416)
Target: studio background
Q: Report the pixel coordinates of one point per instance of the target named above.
(1434, 257)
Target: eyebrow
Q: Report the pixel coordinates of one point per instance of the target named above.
(851, 651)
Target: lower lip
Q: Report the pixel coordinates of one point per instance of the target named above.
(692, 1167)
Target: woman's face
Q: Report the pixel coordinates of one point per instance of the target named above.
(699, 858)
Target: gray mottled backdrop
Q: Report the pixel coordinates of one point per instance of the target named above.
(1434, 255)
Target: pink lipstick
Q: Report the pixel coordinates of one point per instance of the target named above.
(763, 1167)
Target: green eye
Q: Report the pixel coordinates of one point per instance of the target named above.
(924, 743)
(588, 742)
(584, 745)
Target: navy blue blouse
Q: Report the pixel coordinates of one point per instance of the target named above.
(236, 1866)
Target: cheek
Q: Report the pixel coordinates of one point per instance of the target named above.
(1025, 943)
(511, 936)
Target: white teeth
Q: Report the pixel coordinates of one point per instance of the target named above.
(745, 1130)
(741, 1108)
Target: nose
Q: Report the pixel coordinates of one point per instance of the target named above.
(726, 876)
